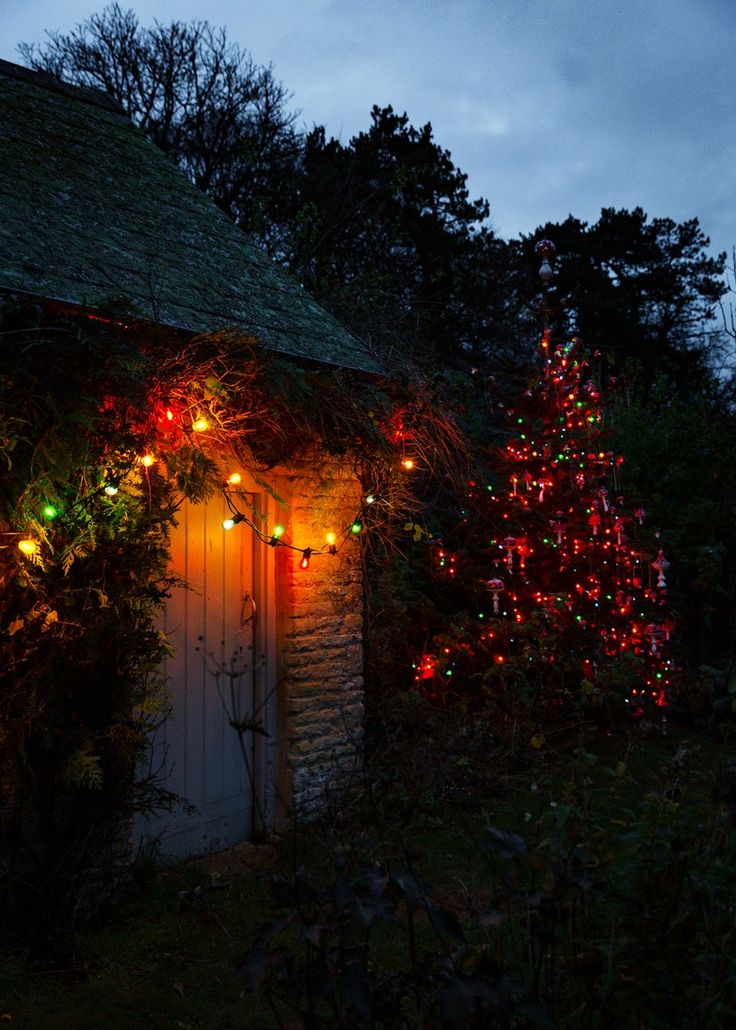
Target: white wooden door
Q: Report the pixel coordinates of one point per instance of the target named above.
(206, 751)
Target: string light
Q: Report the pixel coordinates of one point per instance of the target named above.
(278, 532)
(28, 546)
(557, 467)
(333, 540)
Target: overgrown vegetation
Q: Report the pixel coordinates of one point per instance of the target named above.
(100, 443)
(470, 880)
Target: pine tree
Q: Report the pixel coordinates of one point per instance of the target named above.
(575, 608)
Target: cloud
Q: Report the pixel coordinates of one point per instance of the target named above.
(549, 106)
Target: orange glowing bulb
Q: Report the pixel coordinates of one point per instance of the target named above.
(234, 478)
(408, 464)
(147, 460)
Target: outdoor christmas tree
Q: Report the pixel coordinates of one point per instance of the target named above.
(569, 585)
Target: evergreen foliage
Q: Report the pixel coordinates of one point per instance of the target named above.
(641, 289)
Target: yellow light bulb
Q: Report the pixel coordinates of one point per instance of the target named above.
(330, 538)
(147, 460)
(408, 464)
(27, 546)
(234, 479)
(201, 425)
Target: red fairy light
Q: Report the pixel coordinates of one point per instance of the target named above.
(165, 422)
(426, 667)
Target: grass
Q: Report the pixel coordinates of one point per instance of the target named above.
(613, 813)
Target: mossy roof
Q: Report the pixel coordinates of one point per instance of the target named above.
(91, 211)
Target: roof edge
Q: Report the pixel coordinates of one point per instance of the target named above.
(45, 80)
(85, 311)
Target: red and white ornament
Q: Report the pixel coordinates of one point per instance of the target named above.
(496, 587)
(660, 565)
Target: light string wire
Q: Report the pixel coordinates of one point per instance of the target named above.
(274, 539)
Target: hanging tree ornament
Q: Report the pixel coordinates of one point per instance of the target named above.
(546, 250)
(496, 587)
(618, 525)
(654, 634)
(559, 524)
(509, 543)
(660, 565)
(639, 515)
(594, 519)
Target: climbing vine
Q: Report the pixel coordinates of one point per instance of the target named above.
(105, 426)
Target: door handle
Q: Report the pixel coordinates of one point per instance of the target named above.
(247, 609)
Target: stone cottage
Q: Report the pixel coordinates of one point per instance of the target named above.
(91, 211)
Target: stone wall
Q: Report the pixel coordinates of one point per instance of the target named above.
(320, 644)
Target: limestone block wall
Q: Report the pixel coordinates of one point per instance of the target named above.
(320, 644)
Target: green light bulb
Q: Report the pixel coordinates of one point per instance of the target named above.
(49, 511)
(278, 531)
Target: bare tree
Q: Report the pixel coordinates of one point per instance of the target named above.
(222, 118)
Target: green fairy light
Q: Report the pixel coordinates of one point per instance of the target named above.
(49, 511)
